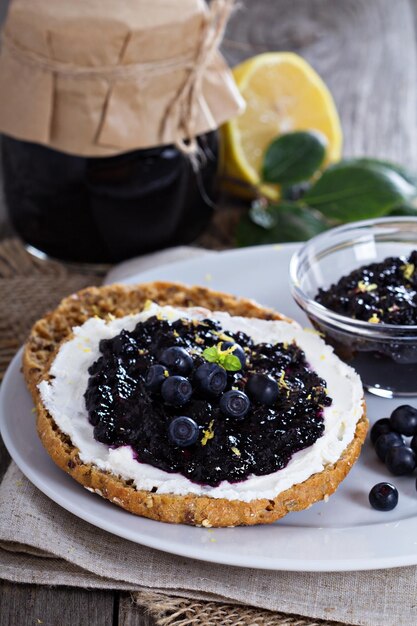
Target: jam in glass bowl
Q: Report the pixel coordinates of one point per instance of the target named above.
(356, 285)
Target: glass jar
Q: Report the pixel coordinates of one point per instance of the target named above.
(104, 109)
(384, 355)
(107, 209)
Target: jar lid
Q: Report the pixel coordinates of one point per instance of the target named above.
(99, 77)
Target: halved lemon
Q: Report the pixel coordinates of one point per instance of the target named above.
(283, 93)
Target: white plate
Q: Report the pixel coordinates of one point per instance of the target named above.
(342, 534)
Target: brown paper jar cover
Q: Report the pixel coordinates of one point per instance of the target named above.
(101, 77)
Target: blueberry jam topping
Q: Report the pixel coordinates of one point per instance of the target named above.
(384, 292)
(153, 389)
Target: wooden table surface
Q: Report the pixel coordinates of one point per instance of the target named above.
(366, 51)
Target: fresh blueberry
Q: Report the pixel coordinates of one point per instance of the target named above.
(237, 351)
(400, 461)
(211, 379)
(183, 431)
(380, 428)
(413, 444)
(155, 376)
(387, 441)
(383, 497)
(234, 404)
(404, 420)
(296, 192)
(262, 388)
(176, 390)
(177, 360)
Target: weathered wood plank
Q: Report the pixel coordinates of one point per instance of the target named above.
(131, 614)
(365, 51)
(27, 605)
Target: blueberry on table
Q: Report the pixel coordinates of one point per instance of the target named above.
(183, 431)
(211, 379)
(176, 390)
(387, 441)
(383, 497)
(380, 427)
(404, 420)
(177, 360)
(262, 388)
(234, 404)
(155, 376)
(237, 351)
(401, 461)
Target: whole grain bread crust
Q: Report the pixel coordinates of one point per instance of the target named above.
(117, 300)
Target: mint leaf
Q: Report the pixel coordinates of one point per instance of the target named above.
(226, 359)
(294, 157)
(211, 354)
(353, 191)
(231, 363)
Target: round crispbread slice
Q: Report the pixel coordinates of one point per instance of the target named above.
(117, 300)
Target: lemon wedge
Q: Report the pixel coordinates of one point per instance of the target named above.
(283, 93)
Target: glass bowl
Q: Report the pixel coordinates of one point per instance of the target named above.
(384, 355)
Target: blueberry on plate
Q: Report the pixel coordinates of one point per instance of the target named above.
(234, 404)
(262, 388)
(183, 431)
(176, 390)
(155, 376)
(404, 420)
(237, 351)
(380, 427)
(177, 360)
(387, 441)
(211, 379)
(401, 461)
(383, 497)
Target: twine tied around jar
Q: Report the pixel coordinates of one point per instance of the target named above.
(185, 99)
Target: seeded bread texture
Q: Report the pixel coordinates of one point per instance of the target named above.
(118, 300)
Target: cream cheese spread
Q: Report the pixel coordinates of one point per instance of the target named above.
(63, 396)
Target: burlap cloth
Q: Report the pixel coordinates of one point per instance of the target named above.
(44, 544)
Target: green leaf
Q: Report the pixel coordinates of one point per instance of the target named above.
(404, 210)
(291, 223)
(410, 177)
(294, 157)
(351, 192)
(231, 363)
(211, 354)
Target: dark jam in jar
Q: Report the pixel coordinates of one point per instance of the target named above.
(107, 209)
(125, 411)
(379, 293)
